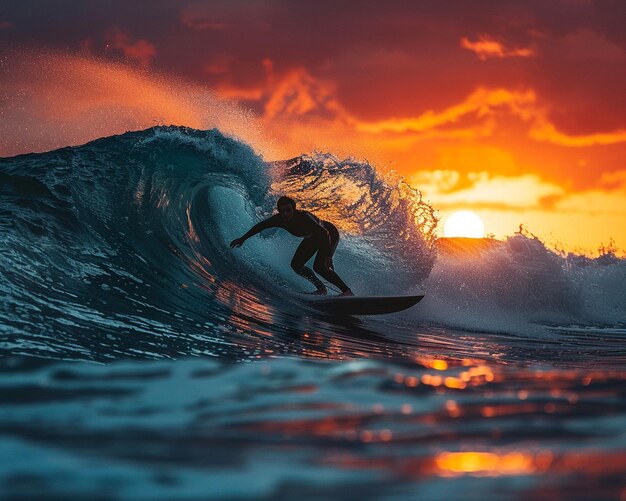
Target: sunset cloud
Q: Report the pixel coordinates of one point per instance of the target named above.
(486, 47)
(484, 103)
(295, 93)
(544, 131)
(298, 93)
(139, 50)
(596, 202)
(480, 103)
(614, 180)
(485, 190)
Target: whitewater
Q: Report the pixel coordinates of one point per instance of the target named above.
(142, 357)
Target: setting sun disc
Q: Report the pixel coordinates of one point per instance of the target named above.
(464, 224)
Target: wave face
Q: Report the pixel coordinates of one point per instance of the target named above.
(119, 248)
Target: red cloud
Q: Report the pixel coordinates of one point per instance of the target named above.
(139, 50)
(486, 47)
(292, 93)
(4, 25)
(298, 93)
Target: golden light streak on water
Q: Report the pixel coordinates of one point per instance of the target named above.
(437, 364)
(486, 463)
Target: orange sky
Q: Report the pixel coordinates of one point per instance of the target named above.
(512, 109)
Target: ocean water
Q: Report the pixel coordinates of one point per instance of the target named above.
(142, 358)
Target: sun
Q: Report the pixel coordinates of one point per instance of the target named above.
(464, 224)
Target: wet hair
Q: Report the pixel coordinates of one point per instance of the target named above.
(286, 200)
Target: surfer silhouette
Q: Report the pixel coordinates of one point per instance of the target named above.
(319, 237)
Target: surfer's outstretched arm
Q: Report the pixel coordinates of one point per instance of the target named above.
(270, 222)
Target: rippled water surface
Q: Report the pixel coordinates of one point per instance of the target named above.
(325, 423)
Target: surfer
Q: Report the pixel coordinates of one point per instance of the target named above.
(319, 237)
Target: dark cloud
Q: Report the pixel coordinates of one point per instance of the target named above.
(395, 59)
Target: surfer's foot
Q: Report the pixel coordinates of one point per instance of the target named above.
(319, 292)
(347, 292)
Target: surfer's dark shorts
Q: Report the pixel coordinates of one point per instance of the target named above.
(311, 245)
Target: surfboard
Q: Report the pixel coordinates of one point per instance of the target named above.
(361, 305)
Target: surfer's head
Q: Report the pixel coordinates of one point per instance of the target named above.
(286, 207)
